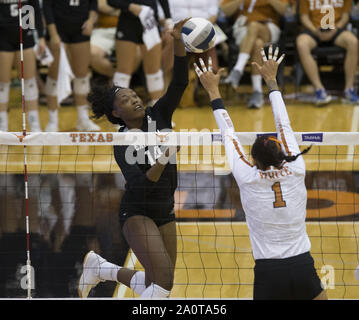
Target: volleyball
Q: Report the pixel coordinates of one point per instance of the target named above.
(198, 35)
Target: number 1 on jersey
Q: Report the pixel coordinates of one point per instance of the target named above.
(279, 202)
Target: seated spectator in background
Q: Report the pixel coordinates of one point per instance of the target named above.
(138, 26)
(183, 9)
(316, 33)
(103, 39)
(257, 25)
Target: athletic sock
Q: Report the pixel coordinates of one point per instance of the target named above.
(241, 62)
(138, 282)
(108, 271)
(257, 83)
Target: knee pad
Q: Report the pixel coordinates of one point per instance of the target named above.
(155, 81)
(82, 86)
(4, 92)
(51, 87)
(31, 90)
(121, 80)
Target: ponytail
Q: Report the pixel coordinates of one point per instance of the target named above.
(293, 158)
(268, 152)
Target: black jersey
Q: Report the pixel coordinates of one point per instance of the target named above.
(143, 195)
(124, 4)
(68, 10)
(9, 14)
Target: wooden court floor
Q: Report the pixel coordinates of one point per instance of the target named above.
(215, 259)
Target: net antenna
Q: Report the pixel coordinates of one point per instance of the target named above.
(28, 261)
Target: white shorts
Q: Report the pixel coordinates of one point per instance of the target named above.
(104, 38)
(274, 31)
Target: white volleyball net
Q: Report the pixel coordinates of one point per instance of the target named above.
(75, 188)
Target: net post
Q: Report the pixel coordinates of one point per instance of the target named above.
(28, 260)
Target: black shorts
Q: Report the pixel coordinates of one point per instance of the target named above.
(293, 278)
(71, 32)
(10, 39)
(324, 43)
(159, 217)
(129, 28)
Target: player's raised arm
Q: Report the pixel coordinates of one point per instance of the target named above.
(268, 71)
(240, 165)
(171, 99)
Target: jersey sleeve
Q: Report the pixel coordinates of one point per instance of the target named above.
(283, 127)
(169, 102)
(136, 179)
(238, 162)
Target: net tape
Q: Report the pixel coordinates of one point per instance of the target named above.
(202, 138)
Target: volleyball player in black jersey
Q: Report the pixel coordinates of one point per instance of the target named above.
(70, 22)
(129, 35)
(10, 51)
(147, 207)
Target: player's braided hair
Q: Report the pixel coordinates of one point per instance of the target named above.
(268, 152)
(102, 98)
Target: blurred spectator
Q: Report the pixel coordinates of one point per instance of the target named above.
(183, 9)
(103, 39)
(138, 25)
(71, 23)
(319, 32)
(10, 55)
(256, 26)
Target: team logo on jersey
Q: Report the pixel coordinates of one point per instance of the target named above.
(313, 137)
(120, 34)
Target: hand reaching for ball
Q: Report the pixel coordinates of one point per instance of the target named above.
(176, 31)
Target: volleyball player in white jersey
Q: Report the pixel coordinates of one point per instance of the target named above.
(273, 194)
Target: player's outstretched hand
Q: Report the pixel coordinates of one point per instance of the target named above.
(209, 80)
(177, 28)
(269, 69)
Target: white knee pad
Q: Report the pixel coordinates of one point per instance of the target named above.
(121, 80)
(31, 90)
(82, 86)
(51, 87)
(4, 92)
(155, 81)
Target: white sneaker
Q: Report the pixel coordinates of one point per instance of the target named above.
(52, 127)
(87, 125)
(90, 276)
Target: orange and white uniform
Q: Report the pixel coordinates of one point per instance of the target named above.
(274, 200)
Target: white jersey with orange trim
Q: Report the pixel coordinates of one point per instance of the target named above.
(274, 201)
